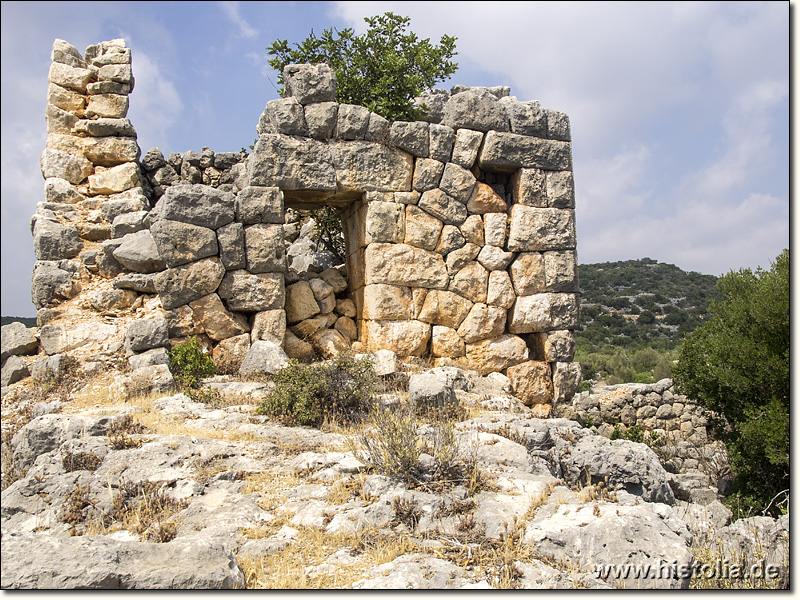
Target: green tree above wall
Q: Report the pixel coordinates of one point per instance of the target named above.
(384, 69)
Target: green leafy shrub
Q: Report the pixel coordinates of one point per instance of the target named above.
(189, 363)
(308, 394)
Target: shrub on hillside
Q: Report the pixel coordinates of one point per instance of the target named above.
(189, 363)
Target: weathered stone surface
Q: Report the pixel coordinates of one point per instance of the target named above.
(532, 382)
(138, 282)
(346, 307)
(471, 282)
(61, 191)
(457, 182)
(405, 338)
(529, 187)
(445, 342)
(411, 136)
(300, 302)
(443, 207)
(53, 240)
(500, 291)
(334, 279)
(351, 122)
(401, 264)
(387, 302)
(259, 205)
(561, 271)
(544, 312)
(534, 229)
(145, 334)
(98, 562)
(494, 258)
(509, 151)
(310, 83)
(421, 229)
(180, 243)
(427, 174)
(116, 179)
(148, 358)
(67, 100)
(482, 322)
(16, 340)
(385, 222)
(476, 110)
(330, 343)
(218, 323)
(197, 205)
(104, 126)
(111, 300)
(57, 163)
(558, 346)
(186, 283)
(269, 325)
(61, 123)
(128, 223)
(527, 118)
(264, 248)
(66, 53)
(138, 252)
(347, 327)
(262, 358)
(297, 348)
(557, 125)
(321, 119)
(560, 189)
(72, 78)
(292, 164)
(116, 73)
(441, 142)
(496, 354)
(230, 239)
(250, 293)
(126, 202)
(460, 258)
(230, 353)
(495, 226)
(485, 200)
(465, 149)
(53, 282)
(566, 377)
(285, 116)
(14, 369)
(367, 166)
(528, 274)
(444, 308)
(114, 106)
(473, 232)
(428, 389)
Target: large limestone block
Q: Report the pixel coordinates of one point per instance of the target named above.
(197, 204)
(330, 343)
(72, 78)
(485, 200)
(347, 327)
(321, 119)
(218, 322)
(532, 382)
(495, 227)
(411, 136)
(104, 127)
(558, 346)
(387, 303)
(53, 240)
(65, 99)
(427, 174)
(560, 189)
(259, 205)
(494, 258)
(66, 53)
(57, 339)
(465, 149)
(529, 187)
(509, 151)
(116, 179)
(57, 163)
(457, 182)
(444, 308)
(139, 252)
(230, 239)
(443, 207)
(180, 243)
(300, 302)
(285, 116)
(351, 122)
(385, 222)
(544, 312)
(471, 282)
(528, 274)
(116, 73)
(310, 83)
(334, 279)
(446, 343)
(61, 191)
(264, 248)
(441, 142)
(450, 239)
(53, 282)
(113, 106)
(472, 230)
(230, 353)
(111, 151)
(404, 265)
(496, 354)
(263, 358)
(297, 348)
(251, 293)
(269, 325)
(61, 123)
(421, 229)
(186, 283)
(367, 166)
(475, 109)
(405, 338)
(483, 322)
(146, 334)
(561, 271)
(500, 291)
(126, 202)
(460, 258)
(16, 340)
(537, 229)
(557, 125)
(527, 118)
(292, 164)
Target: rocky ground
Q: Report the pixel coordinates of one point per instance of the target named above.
(162, 491)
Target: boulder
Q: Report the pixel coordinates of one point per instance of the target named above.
(264, 248)
(149, 358)
(430, 390)
(144, 334)
(139, 252)
(252, 293)
(405, 338)
(115, 179)
(445, 342)
(14, 369)
(218, 323)
(186, 283)
(263, 358)
(300, 302)
(53, 282)
(475, 109)
(496, 354)
(53, 240)
(181, 243)
(310, 83)
(259, 205)
(284, 116)
(17, 340)
(532, 382)
(197, 204)
(57, 339)
(269, 325)
(230, 353)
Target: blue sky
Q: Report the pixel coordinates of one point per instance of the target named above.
(679, 111)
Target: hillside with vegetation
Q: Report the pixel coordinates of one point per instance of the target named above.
(634, 314)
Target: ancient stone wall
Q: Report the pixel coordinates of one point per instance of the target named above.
(459, 230)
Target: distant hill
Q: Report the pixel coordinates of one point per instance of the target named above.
(641, 303)
(27, 321)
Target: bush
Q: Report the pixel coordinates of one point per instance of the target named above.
(737, 365)
(189, 363)
(308, 394)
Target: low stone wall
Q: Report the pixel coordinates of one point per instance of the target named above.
(460, 230)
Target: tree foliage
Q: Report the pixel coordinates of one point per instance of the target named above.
(737, 365)
(383, 69)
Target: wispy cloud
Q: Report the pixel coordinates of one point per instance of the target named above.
(231, 10)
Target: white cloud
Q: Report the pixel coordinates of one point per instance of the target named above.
(231, 10)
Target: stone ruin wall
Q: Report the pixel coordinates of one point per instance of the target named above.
(460, 230)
